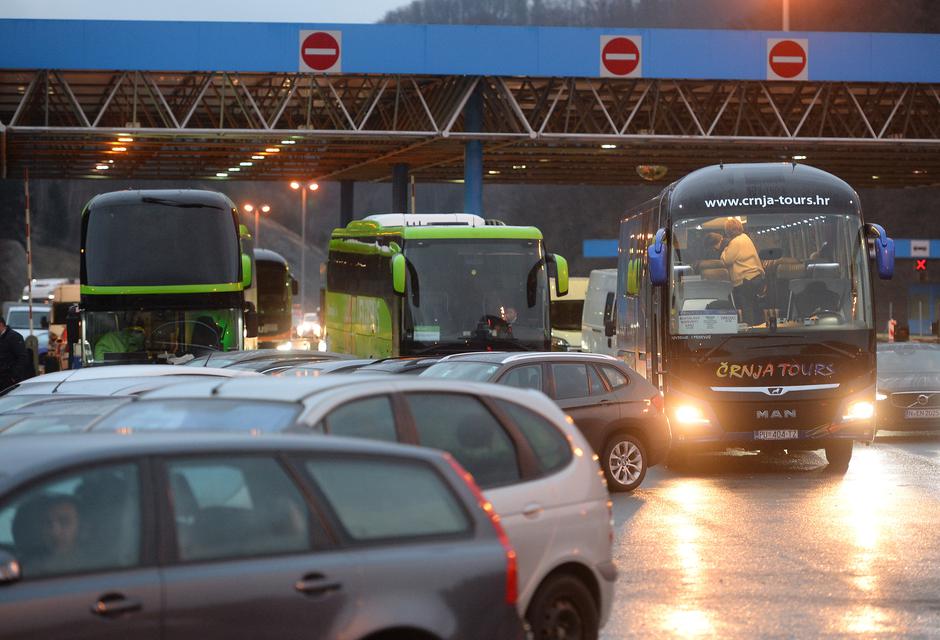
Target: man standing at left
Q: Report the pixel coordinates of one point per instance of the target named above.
(14, 361)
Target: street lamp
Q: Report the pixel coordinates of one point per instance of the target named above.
(249, 208)
(297, 186)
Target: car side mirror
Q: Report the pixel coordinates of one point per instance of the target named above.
(10, 570)
(294, 286)
(251, 321)
(609, 326)
(884, 250)
(72, 323)
(657, 259)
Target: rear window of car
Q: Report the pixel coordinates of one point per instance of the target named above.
(384, 498)
(201, 414)
(549, 444)
(614, 376)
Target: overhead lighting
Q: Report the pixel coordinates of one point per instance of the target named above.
(608, 146)
(288, 142)
(102, 167)
(313, 186)
(294, 185)
(221, 174)
(119, 149)
(493, 172)
(544, 160)
(265, 208)
(234, 169)
(518, 166)
(799, 157)
(246, 163)
(875, 177)
(257, 157)
(248, 208)
(271, 150)
(125, 139)
(919, 172)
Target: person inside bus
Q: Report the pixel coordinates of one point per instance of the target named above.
(747, 272)
(130, 339)
(206, 336)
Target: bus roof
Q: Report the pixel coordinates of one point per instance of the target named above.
(183, 196)
(266, 255)
(435, 226)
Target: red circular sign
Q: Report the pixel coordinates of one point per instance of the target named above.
(620, 56)
(787, 59)
(319, 51)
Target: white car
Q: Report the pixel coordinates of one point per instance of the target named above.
(18, 320)
(534, 466)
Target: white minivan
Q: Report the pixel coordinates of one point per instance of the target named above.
(599, 309)
(566, 314)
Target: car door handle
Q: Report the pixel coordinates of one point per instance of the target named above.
(316, 584)
(115, 604)
(532, 510)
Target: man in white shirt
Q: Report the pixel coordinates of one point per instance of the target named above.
(747, 272)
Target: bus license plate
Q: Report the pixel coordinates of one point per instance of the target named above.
(777, 434)
(922, 413)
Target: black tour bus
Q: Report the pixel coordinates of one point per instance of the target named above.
(744, 292)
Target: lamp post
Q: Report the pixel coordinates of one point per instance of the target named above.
(786, 15)
(249, 208)
(311, 186)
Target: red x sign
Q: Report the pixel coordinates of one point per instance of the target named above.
(921, 265)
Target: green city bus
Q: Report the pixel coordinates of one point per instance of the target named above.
(407, 285)
(163, 277)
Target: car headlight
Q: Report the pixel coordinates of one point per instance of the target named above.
(880, 396)
(859, 410)
(559, 344)
(689, 414)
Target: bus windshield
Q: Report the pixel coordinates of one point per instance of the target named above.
(134, 336)
(469, 291)
(764, 273)
(160, 242)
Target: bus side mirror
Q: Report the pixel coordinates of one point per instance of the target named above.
(561, 274)
(657, 259)
(246, 270)
(398, 273)
(884, 251)
(71, 323)
(251, 321)
(294, 287)
(610, 328)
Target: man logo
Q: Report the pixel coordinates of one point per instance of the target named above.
(776, 414)
(775, 391)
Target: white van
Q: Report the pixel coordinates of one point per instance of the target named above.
(566, 315)
(598, 306)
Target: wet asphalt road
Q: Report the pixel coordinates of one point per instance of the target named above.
(745, 546)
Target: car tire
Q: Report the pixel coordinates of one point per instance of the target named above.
(838, 454)
(563, 607)
(625, 462)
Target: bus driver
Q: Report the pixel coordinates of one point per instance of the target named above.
(747, 272)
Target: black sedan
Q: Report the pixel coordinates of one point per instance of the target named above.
(908, 386)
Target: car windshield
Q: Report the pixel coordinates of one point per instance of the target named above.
(453, 370)
(135, 336)
(765, 273)
(201, 414)
(489, 291)
(48, 424)
(908, 358)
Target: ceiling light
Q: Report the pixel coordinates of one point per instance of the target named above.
(257, 157)
(221, 174)
(608, 146)
(518, 166)
(125, 139)
(493, 172)
(234, 169)
(288, 142)
(919, 172)
(875, 177)
(799, 157)
(271, 150)
(246, 163)
(102, 167)
(119, 149)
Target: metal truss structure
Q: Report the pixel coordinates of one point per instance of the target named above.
(536, 130)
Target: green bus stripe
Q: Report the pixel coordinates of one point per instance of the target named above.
(160, 289)
(482, 233)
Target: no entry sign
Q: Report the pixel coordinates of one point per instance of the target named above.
(787, 59)
(621, 57)
(321, 52)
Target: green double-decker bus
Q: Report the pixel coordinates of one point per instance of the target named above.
(407, 285)
(163, 277)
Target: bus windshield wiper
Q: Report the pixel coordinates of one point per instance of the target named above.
(182, 205)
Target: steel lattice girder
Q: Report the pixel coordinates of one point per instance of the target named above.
(538, 130)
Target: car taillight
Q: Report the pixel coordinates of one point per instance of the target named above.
(657, 401)
(512, 569)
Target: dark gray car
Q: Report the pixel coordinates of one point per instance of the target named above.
(181, 536)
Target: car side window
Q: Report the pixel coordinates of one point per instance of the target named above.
(236, 507)
(550, 445)
(76, 523)
(386, 498)
(463, 426)
(371, 418)
(570, 381)
(615, 377)
(527, 377)
(594, 380)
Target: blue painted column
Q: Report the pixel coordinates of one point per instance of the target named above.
(473, 156)
(400, 188)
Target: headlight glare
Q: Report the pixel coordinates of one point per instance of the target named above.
(859, 410)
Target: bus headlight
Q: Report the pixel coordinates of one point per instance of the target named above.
(859, 410)
(880, 396)
(689, 414)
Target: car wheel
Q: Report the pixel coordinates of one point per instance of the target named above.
(838, 454)
(624, 462)
(563, 609)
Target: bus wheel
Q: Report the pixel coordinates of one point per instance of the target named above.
(838, 454)
(624, 462)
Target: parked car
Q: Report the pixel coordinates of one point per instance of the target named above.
(263, 360)
(616, 409)
(405, 365)
(908, 395)
(535, 468)
(58, 414)
(239, 537)
(316, 369)
(17, 318)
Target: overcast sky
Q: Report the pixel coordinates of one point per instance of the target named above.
(209, 10)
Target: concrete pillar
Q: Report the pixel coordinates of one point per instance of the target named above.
(473, 156)
(400, 188)
(346, 193)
